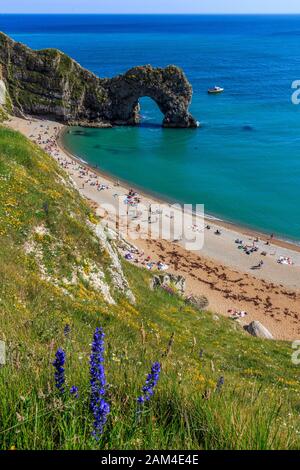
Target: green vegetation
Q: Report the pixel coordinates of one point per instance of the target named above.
(45, 238)
(8, 104)
(3, 115)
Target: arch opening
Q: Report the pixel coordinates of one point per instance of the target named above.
(149, 113)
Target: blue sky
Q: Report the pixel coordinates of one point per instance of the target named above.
(150, 6)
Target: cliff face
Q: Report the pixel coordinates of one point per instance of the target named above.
(49, 83)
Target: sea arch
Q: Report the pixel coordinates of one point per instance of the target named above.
(167, 87)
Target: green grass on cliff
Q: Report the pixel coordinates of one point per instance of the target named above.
(3, 114)
(44, 236)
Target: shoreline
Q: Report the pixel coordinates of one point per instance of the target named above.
(209, 218)
(219, 271)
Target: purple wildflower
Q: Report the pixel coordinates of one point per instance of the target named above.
(98, 405)
(67, 330)
(74, 391)
(220, 384)
(59, 374)
(151, 382)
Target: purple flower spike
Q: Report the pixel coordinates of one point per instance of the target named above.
(59, 374)
(74, 391)
(151, 382)
(98, 405)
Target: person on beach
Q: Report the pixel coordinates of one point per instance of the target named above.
(149, 215)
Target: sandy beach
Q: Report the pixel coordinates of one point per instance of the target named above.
(226, 272)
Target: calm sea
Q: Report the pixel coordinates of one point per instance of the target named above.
(244, 163)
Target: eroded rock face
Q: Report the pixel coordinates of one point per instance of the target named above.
(3, 98)
(2, 92)
(49, 83)
(118, 278)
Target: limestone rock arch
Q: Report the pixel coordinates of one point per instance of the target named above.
(168, 87)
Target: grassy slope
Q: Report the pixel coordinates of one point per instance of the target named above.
(3, 114)
(258, 406)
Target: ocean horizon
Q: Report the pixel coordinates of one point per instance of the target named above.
(243, 163)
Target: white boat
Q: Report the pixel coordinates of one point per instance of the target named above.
(215, 90)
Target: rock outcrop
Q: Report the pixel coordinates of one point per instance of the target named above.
(169, 280)
(199, 302)
(49, 83)
(2, 93)
(4, 104)
(257, 329)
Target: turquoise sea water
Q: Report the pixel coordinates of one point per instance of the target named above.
(244, 162)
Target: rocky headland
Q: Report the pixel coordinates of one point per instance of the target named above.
(50, 84)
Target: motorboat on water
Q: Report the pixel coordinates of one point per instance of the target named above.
(216, 90)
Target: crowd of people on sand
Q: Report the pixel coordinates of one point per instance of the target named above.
(49, 143)
(253, 247)
(285, 260)
(132, 198)
(237, 314)
(140, 258)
